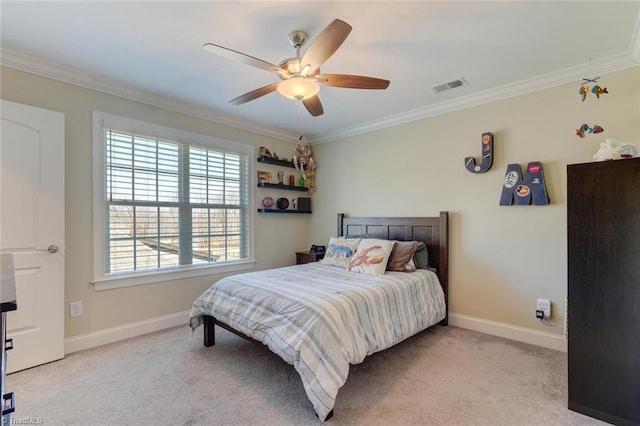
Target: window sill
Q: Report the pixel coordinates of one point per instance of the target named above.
(130, 280)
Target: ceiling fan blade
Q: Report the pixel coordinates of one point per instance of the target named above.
(313, 105)
(351, 81)
(254, 94)
(242, 57)
(325, 45)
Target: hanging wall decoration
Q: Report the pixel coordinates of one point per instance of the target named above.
(303, 162)
(524, 190)
(486, 155)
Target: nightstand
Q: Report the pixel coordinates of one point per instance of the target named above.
(307, 257)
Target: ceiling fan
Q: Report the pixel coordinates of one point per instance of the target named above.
(301, 78)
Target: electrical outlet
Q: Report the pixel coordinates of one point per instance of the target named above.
(544, 305)
(75, 309)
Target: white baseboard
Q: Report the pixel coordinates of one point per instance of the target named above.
(521, 334)
(127, 331)
(110, 335)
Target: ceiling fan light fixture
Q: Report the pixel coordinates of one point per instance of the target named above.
(298, 88)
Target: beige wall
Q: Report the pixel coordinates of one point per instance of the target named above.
(277, 236)
(502, 258)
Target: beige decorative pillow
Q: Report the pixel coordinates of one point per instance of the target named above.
(402, 256)
(339, 252)
(371, 257)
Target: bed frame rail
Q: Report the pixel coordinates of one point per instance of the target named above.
(210, 332)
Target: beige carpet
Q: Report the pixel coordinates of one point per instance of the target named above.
(444, 376)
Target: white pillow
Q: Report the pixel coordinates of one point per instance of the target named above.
(339, 252)
(371, 257)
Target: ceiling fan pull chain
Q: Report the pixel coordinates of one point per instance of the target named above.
(300, 122)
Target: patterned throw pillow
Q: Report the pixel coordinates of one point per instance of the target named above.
(371, 257)
(339, 252)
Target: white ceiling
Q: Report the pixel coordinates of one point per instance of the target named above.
(151, 51)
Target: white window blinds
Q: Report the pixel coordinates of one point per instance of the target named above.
(171, 204)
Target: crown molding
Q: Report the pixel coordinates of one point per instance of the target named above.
(42, 68)
(69, 75)
(568, 75)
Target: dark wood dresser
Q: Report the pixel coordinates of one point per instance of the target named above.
(603, 214)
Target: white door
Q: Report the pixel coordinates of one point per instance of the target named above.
(32, 228)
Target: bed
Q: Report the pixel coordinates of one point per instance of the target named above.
(322, 318)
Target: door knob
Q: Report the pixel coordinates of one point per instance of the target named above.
(51, 249)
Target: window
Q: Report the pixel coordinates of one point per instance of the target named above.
(169, 202)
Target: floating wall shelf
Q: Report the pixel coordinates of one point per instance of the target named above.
(269, 160)
(283, 211)
(282, 186)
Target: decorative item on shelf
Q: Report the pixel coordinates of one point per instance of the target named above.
(487, 156)
(584, 129)
(268, 202)
(612, 149)
(264, 152)
(282, 203)
(292, 180)
(264, 177)
(304, 204)
(280, 177)
(293, 203)
(303, 162)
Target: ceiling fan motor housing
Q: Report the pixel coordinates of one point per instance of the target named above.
(292, 66)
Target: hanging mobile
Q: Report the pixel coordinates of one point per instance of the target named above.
(584, 129)
(596, 89)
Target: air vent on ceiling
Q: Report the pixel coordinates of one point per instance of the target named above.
(450, 85)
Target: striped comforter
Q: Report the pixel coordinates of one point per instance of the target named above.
(322, 318)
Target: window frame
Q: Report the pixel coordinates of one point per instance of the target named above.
(104, 281)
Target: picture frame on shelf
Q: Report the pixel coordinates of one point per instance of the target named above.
(265, 177)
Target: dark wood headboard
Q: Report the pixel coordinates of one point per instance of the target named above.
(433, 231)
